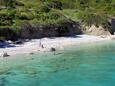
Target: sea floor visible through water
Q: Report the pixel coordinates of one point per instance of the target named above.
(84, 65)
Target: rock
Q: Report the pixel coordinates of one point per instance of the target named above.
(10, 42)
(31, 53)
(103, 36)
(98, 31)
(112, 37)
(19, 42)
(113, 26)
(52, 49)
(5, 54)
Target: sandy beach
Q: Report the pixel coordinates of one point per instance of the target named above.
(58, 43)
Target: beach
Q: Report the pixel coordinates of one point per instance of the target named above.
(58, 43)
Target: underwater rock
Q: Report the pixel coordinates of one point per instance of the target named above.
(31, 53)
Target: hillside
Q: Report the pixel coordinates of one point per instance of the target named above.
(26, 17)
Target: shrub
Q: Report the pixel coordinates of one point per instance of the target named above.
(6, 17)
(44, 8)
(25, 16)
(55, 4)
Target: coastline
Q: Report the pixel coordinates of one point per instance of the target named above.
(58, 43)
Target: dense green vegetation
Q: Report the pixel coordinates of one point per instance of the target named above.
(15, 13)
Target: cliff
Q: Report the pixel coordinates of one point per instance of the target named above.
(50, 18)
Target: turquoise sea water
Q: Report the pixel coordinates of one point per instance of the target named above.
(86, 65)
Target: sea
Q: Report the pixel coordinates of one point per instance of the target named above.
(90, 64)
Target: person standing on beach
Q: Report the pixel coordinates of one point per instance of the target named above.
(40, 44)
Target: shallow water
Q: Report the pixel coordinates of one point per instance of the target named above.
(91, 65)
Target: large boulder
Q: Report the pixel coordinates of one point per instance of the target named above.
(113, 25)
(93, 30)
